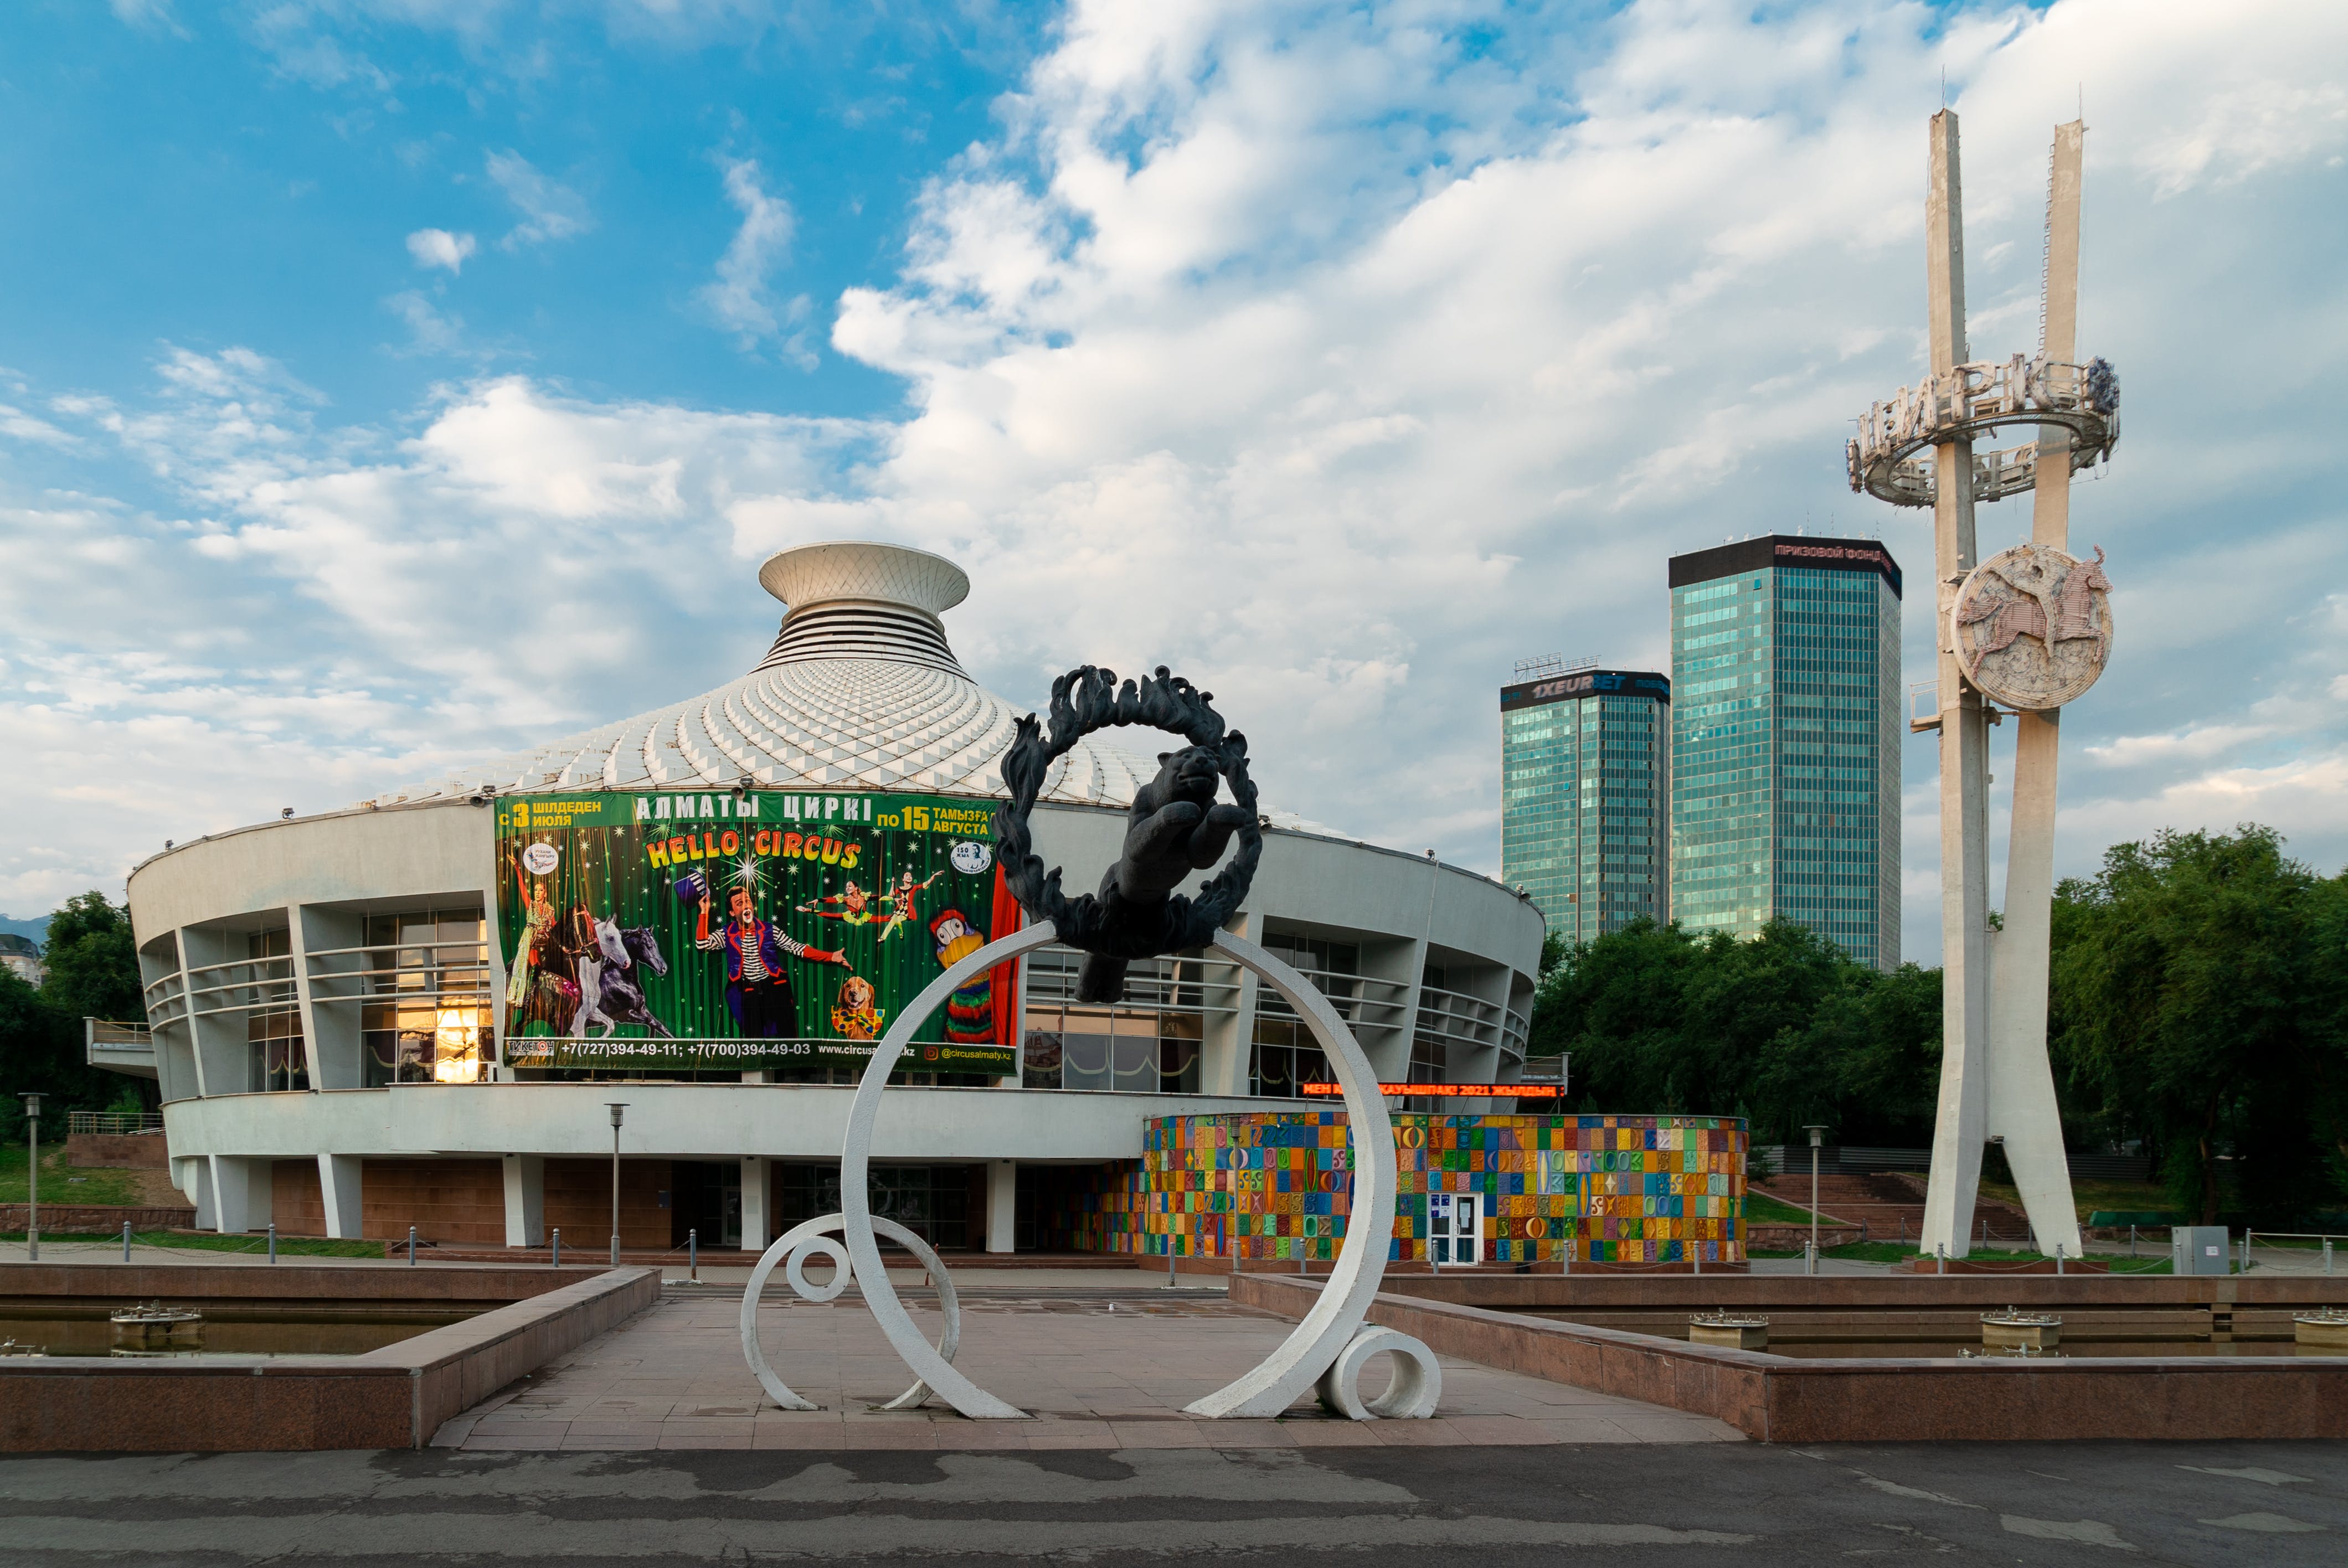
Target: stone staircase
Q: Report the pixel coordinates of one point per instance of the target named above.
(1889, 1205)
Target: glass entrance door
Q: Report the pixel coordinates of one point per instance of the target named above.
(1455, 1228)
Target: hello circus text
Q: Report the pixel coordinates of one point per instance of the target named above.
(763, 843)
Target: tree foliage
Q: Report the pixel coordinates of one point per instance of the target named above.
(1784, 1028)
(2196, 1005)
(92, 961)
(92, 972)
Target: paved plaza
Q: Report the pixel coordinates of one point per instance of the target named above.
(1096, 1368)
(2047, 1505)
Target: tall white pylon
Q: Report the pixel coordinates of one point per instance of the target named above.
(2030, 627)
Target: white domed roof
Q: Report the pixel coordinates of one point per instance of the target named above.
(860, 691)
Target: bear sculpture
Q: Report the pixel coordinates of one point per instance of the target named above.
(1174, 828)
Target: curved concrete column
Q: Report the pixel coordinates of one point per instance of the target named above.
(1315, 1343)
(1311, 1348)
(794, 1245)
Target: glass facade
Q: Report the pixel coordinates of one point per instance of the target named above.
(431, 967)
(1585, 763)
(1785, 741)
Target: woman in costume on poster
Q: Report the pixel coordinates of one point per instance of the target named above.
(904, 901)
(856, 907)
(544, 985)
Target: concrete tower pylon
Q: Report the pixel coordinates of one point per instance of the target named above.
(2021, 1097)
(1995, 1081)
(1962, 1125)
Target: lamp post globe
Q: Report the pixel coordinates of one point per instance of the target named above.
(1817, 1139)
(33, 1178)
(619, 1112)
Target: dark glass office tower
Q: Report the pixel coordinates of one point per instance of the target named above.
(1585, 764)
(1786, 740)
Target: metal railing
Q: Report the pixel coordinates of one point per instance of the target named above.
(1174, 984)
(385, 975)
(1455, 1016)
(1362, 1000)
(112, 1123)
(247, 985)
(166, 999)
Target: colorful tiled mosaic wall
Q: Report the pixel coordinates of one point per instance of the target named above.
(1614, 1189)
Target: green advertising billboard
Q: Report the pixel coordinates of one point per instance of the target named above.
(671, 930)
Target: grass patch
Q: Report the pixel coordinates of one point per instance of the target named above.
(2088, 1195)
(287, 1245)
(1761, 1209)
(1855, 1252)
(62, 1183)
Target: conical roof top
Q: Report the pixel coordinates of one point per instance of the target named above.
(860, 690)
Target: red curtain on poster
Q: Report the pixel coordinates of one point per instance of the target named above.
(1005, 918)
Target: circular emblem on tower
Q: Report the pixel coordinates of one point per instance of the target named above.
(2033, 626)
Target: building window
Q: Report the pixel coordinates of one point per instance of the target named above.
(1284, 1059)
(1132, 1051)
(427, 1017)
(274, 1025)
(931, 1201)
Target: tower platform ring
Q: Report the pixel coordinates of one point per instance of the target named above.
(1972, 401)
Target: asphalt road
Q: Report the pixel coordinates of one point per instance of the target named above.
(2270, 1504)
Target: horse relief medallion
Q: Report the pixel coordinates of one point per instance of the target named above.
(2033, 626)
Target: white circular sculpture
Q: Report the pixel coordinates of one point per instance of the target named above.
(2033, 626)
(1175, 826)
(792, 1249)
(1417, 1379)
(1328, 1332)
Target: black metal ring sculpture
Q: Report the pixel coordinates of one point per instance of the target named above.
(1173, 827)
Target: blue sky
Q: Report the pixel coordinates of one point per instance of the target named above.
(222, 176)
(388, 383)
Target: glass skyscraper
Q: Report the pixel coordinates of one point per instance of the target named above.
(1786, 740)
(1585, 763)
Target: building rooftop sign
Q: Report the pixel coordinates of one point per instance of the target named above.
(1765, 550)
(1588, 683)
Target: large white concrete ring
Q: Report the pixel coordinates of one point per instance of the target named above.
(794, 1269)
(788, 1245)
(1315, 1344)
(1418, 1379)
(855, 1173)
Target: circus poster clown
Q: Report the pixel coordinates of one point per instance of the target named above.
(761, 929)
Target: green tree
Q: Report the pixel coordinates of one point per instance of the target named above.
(2185, 995)
(1553, 952)
(1786, 1023)
(92, 961)
(93, 972)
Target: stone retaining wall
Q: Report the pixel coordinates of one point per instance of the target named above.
(397, 1396)
(1780, 1398)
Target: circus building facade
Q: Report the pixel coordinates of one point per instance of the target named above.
(415, 1012)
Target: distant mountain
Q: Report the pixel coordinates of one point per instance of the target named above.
(39, 930)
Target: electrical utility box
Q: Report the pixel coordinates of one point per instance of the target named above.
(2200, 1249)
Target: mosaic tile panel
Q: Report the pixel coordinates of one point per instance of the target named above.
(1612, 1189)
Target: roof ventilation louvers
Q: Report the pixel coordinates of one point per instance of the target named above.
(847, 630)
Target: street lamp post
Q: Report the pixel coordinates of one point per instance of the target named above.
(1817, 1137)
(619, 1109)
(33, 1176)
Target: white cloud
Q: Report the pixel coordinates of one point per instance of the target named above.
(740, 297)
(439, 248)
(549, 209)
(429, 330)
(1338, 357)
(154, 14)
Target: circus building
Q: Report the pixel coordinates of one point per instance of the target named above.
(415, 1012)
